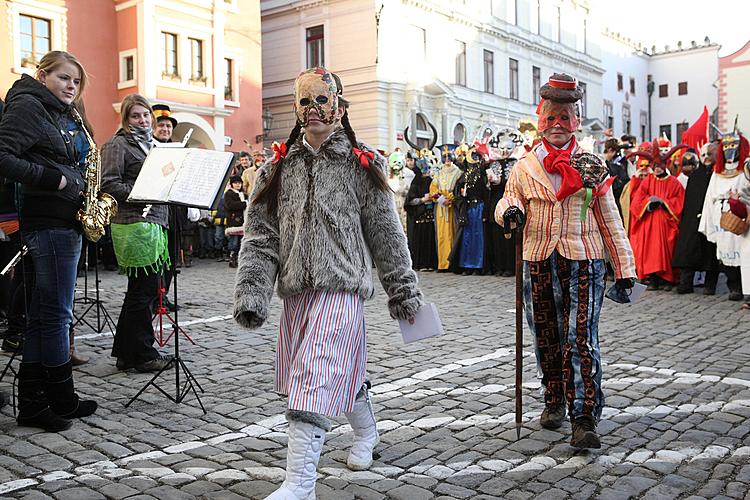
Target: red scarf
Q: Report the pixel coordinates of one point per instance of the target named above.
(557, 161)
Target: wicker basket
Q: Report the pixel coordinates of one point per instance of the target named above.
(733, 224)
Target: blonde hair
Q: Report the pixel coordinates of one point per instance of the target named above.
(128, 104)
(53, 60)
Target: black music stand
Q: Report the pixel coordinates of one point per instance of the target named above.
(18, 257)
(192, 178)
(180, 392)
(103, 318)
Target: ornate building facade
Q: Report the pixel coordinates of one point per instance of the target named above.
(456, 64)
(201, 57)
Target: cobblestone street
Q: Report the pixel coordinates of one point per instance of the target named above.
(676, 422)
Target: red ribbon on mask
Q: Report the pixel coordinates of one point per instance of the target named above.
(279, 152)
(364, 157)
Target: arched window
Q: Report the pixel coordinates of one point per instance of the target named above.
(459, 133)
(424, 132)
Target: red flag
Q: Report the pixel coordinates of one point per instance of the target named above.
(697, 135)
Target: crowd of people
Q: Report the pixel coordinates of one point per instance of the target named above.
(675, 204)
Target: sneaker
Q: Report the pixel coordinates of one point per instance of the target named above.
(552, 416)
(123, 365)
(584, 434)
(12, 344)
(155, 365)
(654, 284)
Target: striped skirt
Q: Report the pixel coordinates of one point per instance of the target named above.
(563, 299)
(322, 351)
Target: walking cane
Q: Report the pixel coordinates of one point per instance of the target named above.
(519, 326)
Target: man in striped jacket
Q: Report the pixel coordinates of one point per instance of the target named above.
(567, 236)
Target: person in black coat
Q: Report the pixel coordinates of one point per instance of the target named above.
(42, 147)
(235, 203)
(693, 252)
(420, 218)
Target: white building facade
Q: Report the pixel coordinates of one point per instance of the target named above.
(684, 79)
(456, 64)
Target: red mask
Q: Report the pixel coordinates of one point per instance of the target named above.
(552, 114)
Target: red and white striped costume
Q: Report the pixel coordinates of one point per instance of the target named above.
(322, 351)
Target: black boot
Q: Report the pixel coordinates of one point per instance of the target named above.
(33, 408)
(686, 281)
(62, 396)
(232, 259)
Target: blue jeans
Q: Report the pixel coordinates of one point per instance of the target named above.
(55, 253)
(207, 238)
(234, 243)
(220, 239)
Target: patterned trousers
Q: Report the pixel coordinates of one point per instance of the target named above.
(563, 299)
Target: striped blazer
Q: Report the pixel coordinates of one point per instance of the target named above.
(556, 225)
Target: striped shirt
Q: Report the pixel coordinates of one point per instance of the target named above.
(556, 225)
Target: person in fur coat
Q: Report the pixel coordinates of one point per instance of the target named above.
(321, 211)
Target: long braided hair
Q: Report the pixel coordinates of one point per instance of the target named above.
(270, 192)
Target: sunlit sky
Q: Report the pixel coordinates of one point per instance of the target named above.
(660, 22)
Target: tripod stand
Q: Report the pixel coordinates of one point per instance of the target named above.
(161, 312)
(11, 266)
(103, 318)
(190, 382)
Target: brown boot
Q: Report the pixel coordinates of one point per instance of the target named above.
(584, 434)
(552, 416)
(74, 357)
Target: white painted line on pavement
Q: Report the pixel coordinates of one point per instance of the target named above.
(212, 319)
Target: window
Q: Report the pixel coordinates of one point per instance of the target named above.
(585, 36)
(681, 90)
(129, 68)
(459, 133)
(169, 55)
(663, 90)
(665, 130)
(620, 85)
(229, 81)
(632, 86)
(315, 45)
(424, 133)
(609, 111)
(559, 24)
(489, 71)
(460, 63)
(626, 120)
(196, 59)
(645, 132)
(536, 83)
(584, 109)
(513, 78)
(681, 128)
(34, 38)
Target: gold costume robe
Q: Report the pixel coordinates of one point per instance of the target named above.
(445, 219)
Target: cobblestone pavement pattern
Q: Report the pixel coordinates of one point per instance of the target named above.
(677, 422)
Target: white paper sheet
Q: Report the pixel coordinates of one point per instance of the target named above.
(426, 324)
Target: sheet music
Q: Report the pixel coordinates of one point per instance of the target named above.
(159, 171)
(200, 177)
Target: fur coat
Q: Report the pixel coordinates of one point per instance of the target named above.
(331, 223)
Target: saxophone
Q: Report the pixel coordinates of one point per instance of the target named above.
(98, 208)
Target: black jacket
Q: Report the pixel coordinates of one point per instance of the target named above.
(235, 208)
(122, 159)
(36, 151)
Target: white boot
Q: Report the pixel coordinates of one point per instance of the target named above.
(302, 455)
(366, 437)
